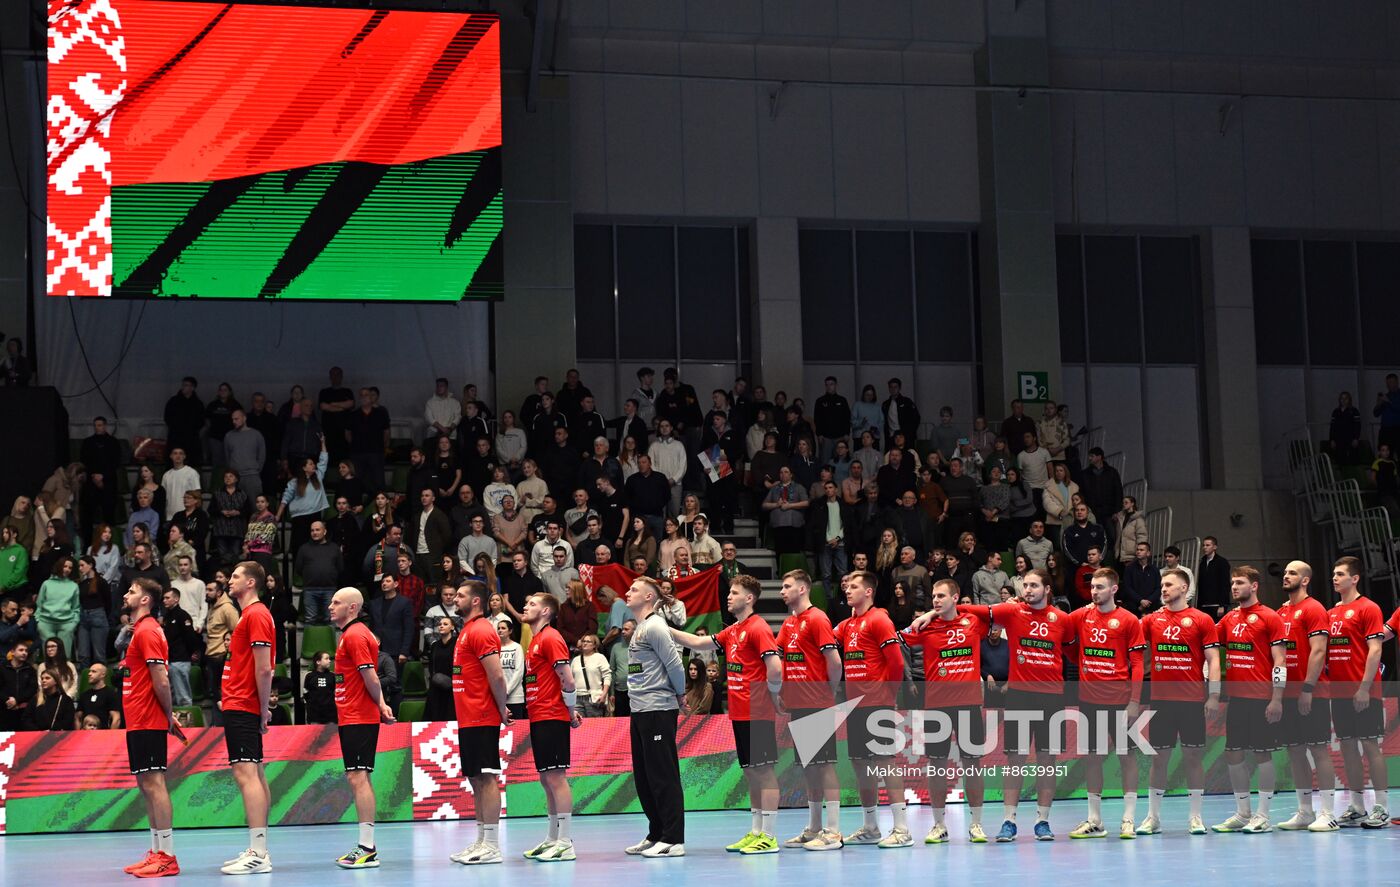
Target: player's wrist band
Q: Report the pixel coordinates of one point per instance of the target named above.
(570, 699)
(775, 686)
(1215, 688)
(1309, 687)
(1280, 676)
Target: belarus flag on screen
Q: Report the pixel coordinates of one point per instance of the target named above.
(252, 151)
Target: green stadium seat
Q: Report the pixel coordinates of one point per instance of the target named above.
(317, 639)
(788, 562)
(197, 682)
(196, 714)
(819, 595)
(412, 709)
(415, 684)
(280, 671)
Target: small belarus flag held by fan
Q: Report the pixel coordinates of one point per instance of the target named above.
(698, 592)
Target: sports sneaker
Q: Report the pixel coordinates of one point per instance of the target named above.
(361, 857)
(743, 842)
(662, 850)
(162, 865)
(864, 835)
(899, 837)
(1378, 818)
(1151, 825)
(460, 857)
(808, 834)
(1258, 825)
(1195, 826)
(1351, 818)
(538, 848)
(484, 854)
(937, 835)
(826, 839)
(1235, 823)
(1087, 829)
(1007, 833)
(1298, 821)
(640, 847)
(1126, 830)
(1325, 822)
(1042, 831)
(761, 844)
(557, 851)
(976, 834)
(249, 862)
(145, 861)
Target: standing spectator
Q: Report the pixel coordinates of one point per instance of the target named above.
(412, 587)
(586, 427)
(511, 443)
(895, 478)
(518, 583)
(1142, 582)
(832, 414)
(51, 709)
(176, 547)
(245, 452)
(101, 700)
(320, 564)
(218, 422)
(429, 535)
(218, 631)
(988, 581)
(16, 370)
(668, 457)
(142, 566)
(189, 592)
(1130, 530)
(319, 688)
(983, 439)
(1020, 503)
(1387, 409)
(640, 544)
(786, 504)
(1015, 427)
(178, 480)
(56, 657)
(1034, 463)
(866, 417)
(467, 507)
(645, 396)
(105, 552)
(1383, 476)
(648, 493)
(1081, 536)
(530, 491)
(184, 418)
(1343, 434)
(961, 490)
(1057, 497)
(558, 579)
(1100, 485)
(229, 518)
(1052, 432)
(101, 456)
(512, 668)
(994, 504)
(833, 522)
(305, 497)
(442, 412)
(1035, 547)
(899, 412)
(392, 617)
(1212, 580)
(193, 523)
(19, 685)
(509, 528)
(630, 424)
(183, 640)
(336, 403)
(14, 563)
(95, 603)
(578, 617)
(262, 534)
(367, 437)
(262, 419)
(439, 656)
(56, 608)
(946, 435)
(914, 576)
(302, 435)
(21, 520)
(592, 676)
(617, 662)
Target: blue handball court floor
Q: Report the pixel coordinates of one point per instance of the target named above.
(418, 853)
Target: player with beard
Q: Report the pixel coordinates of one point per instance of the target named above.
(1306, 727)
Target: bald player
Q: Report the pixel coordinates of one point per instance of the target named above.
(359, 709)
(1306, 725)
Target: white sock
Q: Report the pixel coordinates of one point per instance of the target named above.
(1095, 807)
(490, 834)
(1327, 799)
(1008, 811)
(1383, 798)
(870, 820)
(1358, 799)
(367, 835)
(1154, 801)
(1264, 799)
(1239, 783)
(768, 822)
(561, 825)
(975, 815)
(165, 841)
(814, 815)
(1268, 780)
(1042, 813)
(155, 841)
(1197, 796)
(553, 826)
(756, 825)
(257, 839)
(938, 815)
(1305, 802)
(833, 815)
(1130, 805)
(897, 808)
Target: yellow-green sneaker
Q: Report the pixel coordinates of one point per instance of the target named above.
(761, 844)
(739, 845)
(539, 848)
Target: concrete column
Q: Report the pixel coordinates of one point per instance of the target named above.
(1230, 378)
(777, 305)
(1020, 309)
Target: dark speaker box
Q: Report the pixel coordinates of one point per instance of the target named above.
(33, 440)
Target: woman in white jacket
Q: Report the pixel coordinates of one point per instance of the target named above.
(1059, 491)
(1131, 528)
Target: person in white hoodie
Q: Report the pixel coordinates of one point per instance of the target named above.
(668, 457)
(645, 395)
(442, 412)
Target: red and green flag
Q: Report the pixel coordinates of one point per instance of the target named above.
(699, 592)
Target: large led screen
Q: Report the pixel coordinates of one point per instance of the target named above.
(239, 151)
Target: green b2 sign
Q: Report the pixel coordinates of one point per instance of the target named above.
(1032, 387)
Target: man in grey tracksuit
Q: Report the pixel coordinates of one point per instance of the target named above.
(655, 692)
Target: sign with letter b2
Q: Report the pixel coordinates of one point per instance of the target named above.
(1032, 387)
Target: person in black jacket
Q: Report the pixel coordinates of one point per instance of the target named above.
(630, 424)
(319, 688)
(101, 455)
(432, 524)
(51, 709)
(904, 412)
(832, 415)
(184, 645)
(1101, 488)
(439, 662)
(724, 449)
(1212, 580)
(184, 418)
(19, 684)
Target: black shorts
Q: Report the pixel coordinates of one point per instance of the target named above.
(827, 753)
(357, 745)
(970, 716)
(1097, 737)
(1042, 707)
(1176, 722)
(145, 750)
(1352, 724)
(550, 742)
(481, 750)
(1246, 728)
(243, 737)
(756, 743)
(860, 742)
(1314, 728)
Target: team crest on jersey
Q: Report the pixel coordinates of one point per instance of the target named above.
(1051, 616)
(1158, 666)
(1021, 658)
(742, 635)
(1297, 614)
(1187, 622)
(964, 621)
(1349, 613)
(943, 672)
(1253, 617)
(1113, 623)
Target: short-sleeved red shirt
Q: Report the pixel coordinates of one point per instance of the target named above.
(953, 657)
(1177, 642)
(1108, 643)
(865, 644)
(240, 687)
(1038, 639)
(358, 650)
(1249, 635)
(803, 640)
(139, 704)
(746, 645)
(1301, 623)
(471, 692)
(544, 700)
(1350, 628)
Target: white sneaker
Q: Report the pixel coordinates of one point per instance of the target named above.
(937, 835)
(1195, 826)
(662, 850)
(1298, 821)
(1125, 829)
(976, 834)
(559, 851)
(808, 834)
(484, 854)
(1325, 822)
(828, 839)
(249, 863)
(1235, 823)
(864, 835)
(1379, 818)
(1258, 825)
(640, 847)
(460, 857)
(1351, 818)
(1152, 825)
(898, 837)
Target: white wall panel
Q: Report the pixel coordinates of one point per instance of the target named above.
(1115, 399)
(1173, 429)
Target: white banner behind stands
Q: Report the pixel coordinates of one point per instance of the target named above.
(264, 346)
